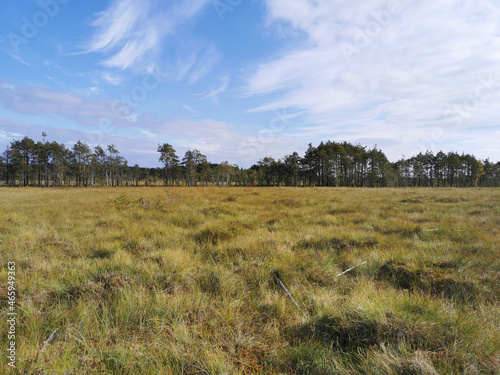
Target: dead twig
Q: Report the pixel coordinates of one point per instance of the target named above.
(350, 269)
(278, 281)
(45, 345)
(49, 340)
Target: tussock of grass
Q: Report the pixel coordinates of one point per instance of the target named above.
(356, 330)
(450, 200)
(215, 234)
(413, 200)
(217, 211)
(335, 244)
(437, 281)
(285, 202)
(102, 254)
(185, 286)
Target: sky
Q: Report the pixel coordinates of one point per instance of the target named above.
(243, 79)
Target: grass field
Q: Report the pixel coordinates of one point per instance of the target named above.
(187, 285)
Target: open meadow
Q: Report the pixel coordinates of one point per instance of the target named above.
(190, 282)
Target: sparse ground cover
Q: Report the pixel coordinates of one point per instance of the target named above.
(185, 285)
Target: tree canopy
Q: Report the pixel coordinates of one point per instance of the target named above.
(26, 162)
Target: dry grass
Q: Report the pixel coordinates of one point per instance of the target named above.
(185, 286)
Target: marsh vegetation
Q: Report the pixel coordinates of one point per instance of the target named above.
(185, 285)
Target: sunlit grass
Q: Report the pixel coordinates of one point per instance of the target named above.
(186, 285)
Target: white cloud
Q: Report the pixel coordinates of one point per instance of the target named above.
(371, 71)
(213, 94)
(50, 64)
(112, 79)
(184, 66)
(191, 110)
(148, 134)
(130, 33)
(101, 122)
(18, 58)
(205, 64)
(35, 100)
(221, 141)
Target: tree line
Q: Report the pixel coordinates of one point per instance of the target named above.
(42, 163)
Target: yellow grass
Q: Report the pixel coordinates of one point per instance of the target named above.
(187, 286)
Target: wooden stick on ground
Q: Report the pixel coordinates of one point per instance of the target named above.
(278, 281)
(45, 345)
(49, 340)
(350, 269)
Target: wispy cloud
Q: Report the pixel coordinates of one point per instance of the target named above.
(213, 94)
(131, 33)
(8, 135)
(191, 110)
(218, 140)
(406, 70)
(148, 134)
(18, 58)
(205, 64)
(112, 79)
(35, 100)
(195, 63)
(50, 64)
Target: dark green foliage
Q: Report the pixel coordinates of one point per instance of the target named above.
(122, 201)
(26, 162)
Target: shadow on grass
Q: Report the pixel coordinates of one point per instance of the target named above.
(338, 244)
(327, 343)
(439, 280)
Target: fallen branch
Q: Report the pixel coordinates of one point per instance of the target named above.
(350, 269)
(45, 345)
(278, 281)
(49, 340)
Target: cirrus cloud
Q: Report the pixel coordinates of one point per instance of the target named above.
(131, 33)
(371, 70)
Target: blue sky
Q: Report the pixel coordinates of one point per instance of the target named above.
(244, 79)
